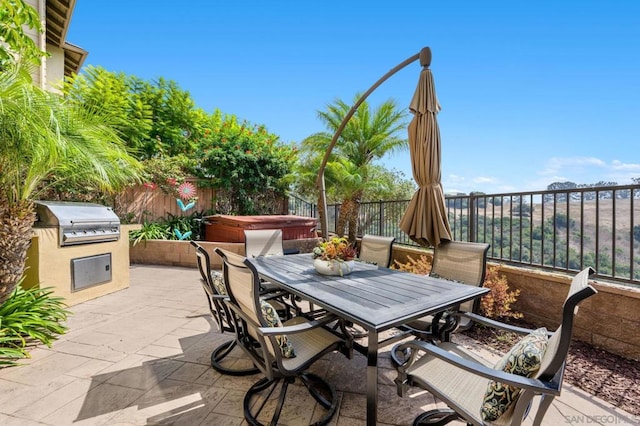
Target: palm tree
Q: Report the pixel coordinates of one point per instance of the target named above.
(366, 137)
(41, 136)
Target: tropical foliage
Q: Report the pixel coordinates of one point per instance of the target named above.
(165, 229)
(161, 123)
(28, 317)
(367, 137)
(15, 44)
(250, 164)
(43, 138)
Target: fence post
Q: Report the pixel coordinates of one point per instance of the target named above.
(472, 218)
(381, 218)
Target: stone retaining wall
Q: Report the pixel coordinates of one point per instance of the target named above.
(609, 320)
(182, 253)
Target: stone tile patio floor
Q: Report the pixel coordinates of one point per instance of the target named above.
(141, 356)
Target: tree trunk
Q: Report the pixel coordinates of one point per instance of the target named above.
(353, 222)
(341, 221)
(348, 220)
(16, 222)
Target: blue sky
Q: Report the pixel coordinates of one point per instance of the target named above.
(531, 92)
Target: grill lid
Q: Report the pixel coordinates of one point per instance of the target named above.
(79, 223)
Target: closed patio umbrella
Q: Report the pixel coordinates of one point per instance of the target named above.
(425, 220)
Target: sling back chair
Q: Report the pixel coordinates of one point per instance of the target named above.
(462, 262)
(477, 392)
(213, 285)
(282, 351)
(267, 242)
(263, 242)
(459, 261)
(376, 249)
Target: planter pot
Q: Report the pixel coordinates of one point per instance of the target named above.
(333, 267)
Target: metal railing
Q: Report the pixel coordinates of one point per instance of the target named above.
(301, 207)
(561, 230)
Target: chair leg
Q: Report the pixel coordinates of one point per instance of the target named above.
(320, 390)
(439, 417)
(399, 357)
(220, 353)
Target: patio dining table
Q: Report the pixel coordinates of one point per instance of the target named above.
(373, 297)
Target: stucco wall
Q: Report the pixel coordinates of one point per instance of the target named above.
(182, 253)
(609, 320)
(49, 265)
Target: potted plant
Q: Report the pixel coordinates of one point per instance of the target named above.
(334, 256)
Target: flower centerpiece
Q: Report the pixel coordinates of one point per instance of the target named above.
(334, 256)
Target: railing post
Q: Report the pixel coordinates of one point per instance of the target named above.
(472, 218)
(381, 218)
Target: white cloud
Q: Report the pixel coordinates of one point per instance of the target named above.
(587, 170)
(557, 165)
(619, 165)
(484, 179)
(523, 177)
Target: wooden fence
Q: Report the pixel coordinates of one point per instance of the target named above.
(139, 204)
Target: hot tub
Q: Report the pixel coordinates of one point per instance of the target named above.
(230, 229)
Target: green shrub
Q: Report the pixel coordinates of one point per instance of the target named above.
(150, 231)
(28, 317)
(164, 229)
(497, 303)
(421, 266)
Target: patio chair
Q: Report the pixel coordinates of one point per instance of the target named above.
(263, 242)
(213, 286)
(376, 249)
(282, 351)
(477, 392)
(458, 261)
(267, 242)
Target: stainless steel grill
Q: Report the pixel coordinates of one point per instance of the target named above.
(78, 223)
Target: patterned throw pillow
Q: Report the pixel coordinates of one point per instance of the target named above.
(271, 316)
(524, 360)
(218, 283)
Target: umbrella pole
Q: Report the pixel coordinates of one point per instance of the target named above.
(425, 60)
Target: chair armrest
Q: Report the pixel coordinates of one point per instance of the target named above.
(552, 388)
(222, 297)
(289, 329)
(493, 323)
(273, 294)
(298, 328)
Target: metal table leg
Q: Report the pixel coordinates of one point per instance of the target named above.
(372, 378)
